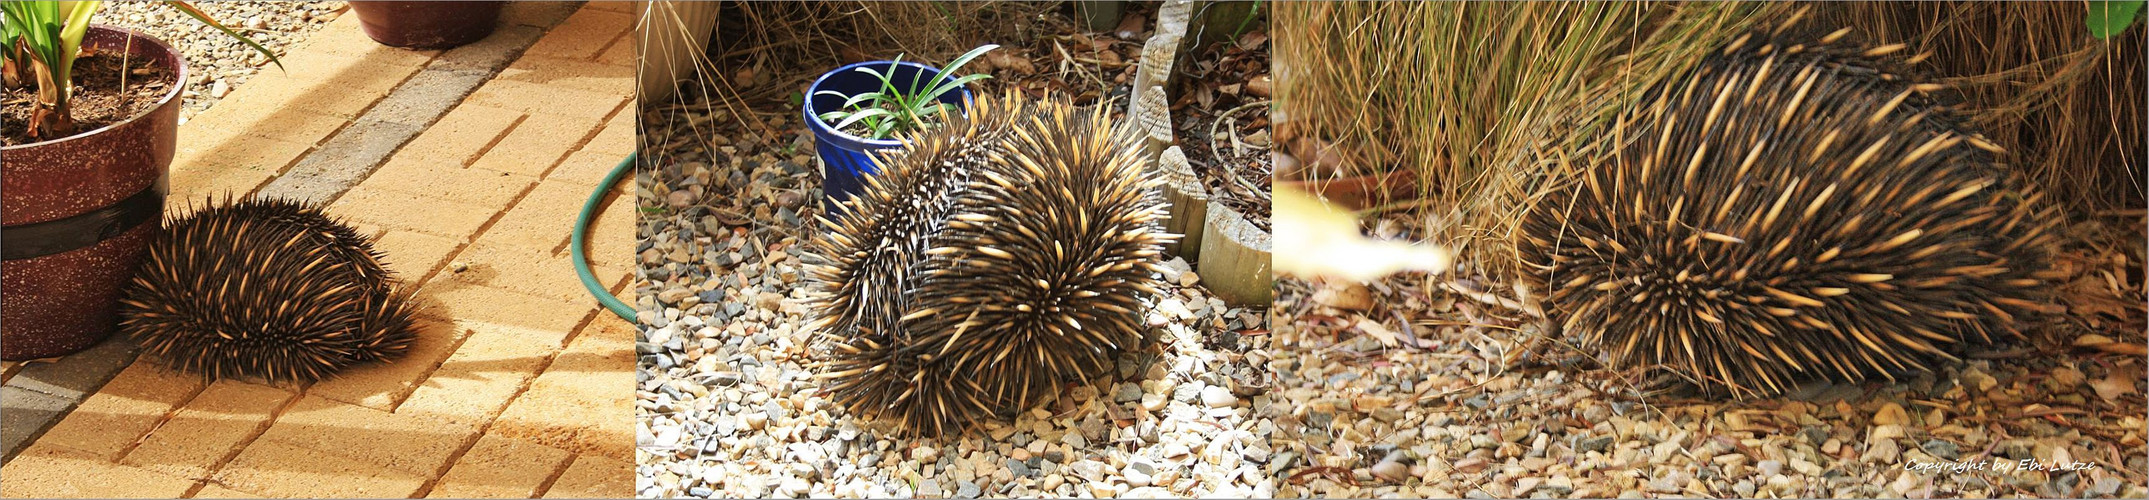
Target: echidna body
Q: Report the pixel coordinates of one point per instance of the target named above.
(1791, 211)
(993, 257)
(268, 289)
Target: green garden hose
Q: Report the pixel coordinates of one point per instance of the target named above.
(581, 258)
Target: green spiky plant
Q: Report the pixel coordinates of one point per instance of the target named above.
(42, 41)
(894, 110)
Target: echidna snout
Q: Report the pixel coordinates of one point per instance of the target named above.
(1792, 210)
(268, 289)
(993, 258)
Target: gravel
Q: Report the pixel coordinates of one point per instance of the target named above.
(219, 63)
(727, 409)
(1485, 406)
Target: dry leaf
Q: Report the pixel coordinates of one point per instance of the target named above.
(1346, 296)
(2115, 385)
(1011, 61)
(1383, 334)
(1130, 27)
(1260, 86)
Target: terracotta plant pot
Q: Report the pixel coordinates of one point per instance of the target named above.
(427, 25)
(77, 213)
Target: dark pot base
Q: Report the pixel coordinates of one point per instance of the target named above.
(427, 25)
(66, 302)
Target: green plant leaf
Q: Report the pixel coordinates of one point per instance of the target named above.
(854, 100)
(198, 15)
(2110, 17)
(861, 115)
(967, 56)
(75, 24)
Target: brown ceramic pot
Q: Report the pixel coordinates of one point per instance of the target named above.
(427, 25)
(77, 214)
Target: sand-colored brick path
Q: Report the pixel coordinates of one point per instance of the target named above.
(519, 387)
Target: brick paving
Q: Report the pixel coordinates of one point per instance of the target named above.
(468, 167)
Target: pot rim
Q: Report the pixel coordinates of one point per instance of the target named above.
(178, 87)
(822, 127)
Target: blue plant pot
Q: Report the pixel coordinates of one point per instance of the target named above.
(846, 159)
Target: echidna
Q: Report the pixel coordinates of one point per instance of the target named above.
(1002, 253)
(265, 288)
(1789, 211)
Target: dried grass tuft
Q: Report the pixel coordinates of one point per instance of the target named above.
(2070, 106)
(1484, 102)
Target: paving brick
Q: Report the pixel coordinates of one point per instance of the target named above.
(457, 138)
(542, 220)
(206, 166)
(620, 7)
(209, 429)
(491, 367)
(342, 162)
(195, 185)
(621, 53)
(453, 183)
(25, 413)
(124, 410)
(584, 401)
(426, 95)
(76, 376)
(489, 55)
(293, 125)
(415, 443)
(588, 167)
(611, 236)
(329, 66)
(542, 15)
(583, 34)
(269, 95)
(574, 73)
(412, 212)
(414, 255)
(534, 272)
(500, 467)
(546, 99)
(54, 472)
(213, 490)
(594, 477)
(534, 317)
(536, 144)
(282, 470)
(382, 386)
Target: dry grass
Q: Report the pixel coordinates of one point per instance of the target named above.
(2070, 106)
(1486, 103)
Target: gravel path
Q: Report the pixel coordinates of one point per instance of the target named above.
(1439, 387)
(725, 407)
(218, 62)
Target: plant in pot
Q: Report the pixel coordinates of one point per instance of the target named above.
(427, 25)
(860, 109)
(89, 124)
